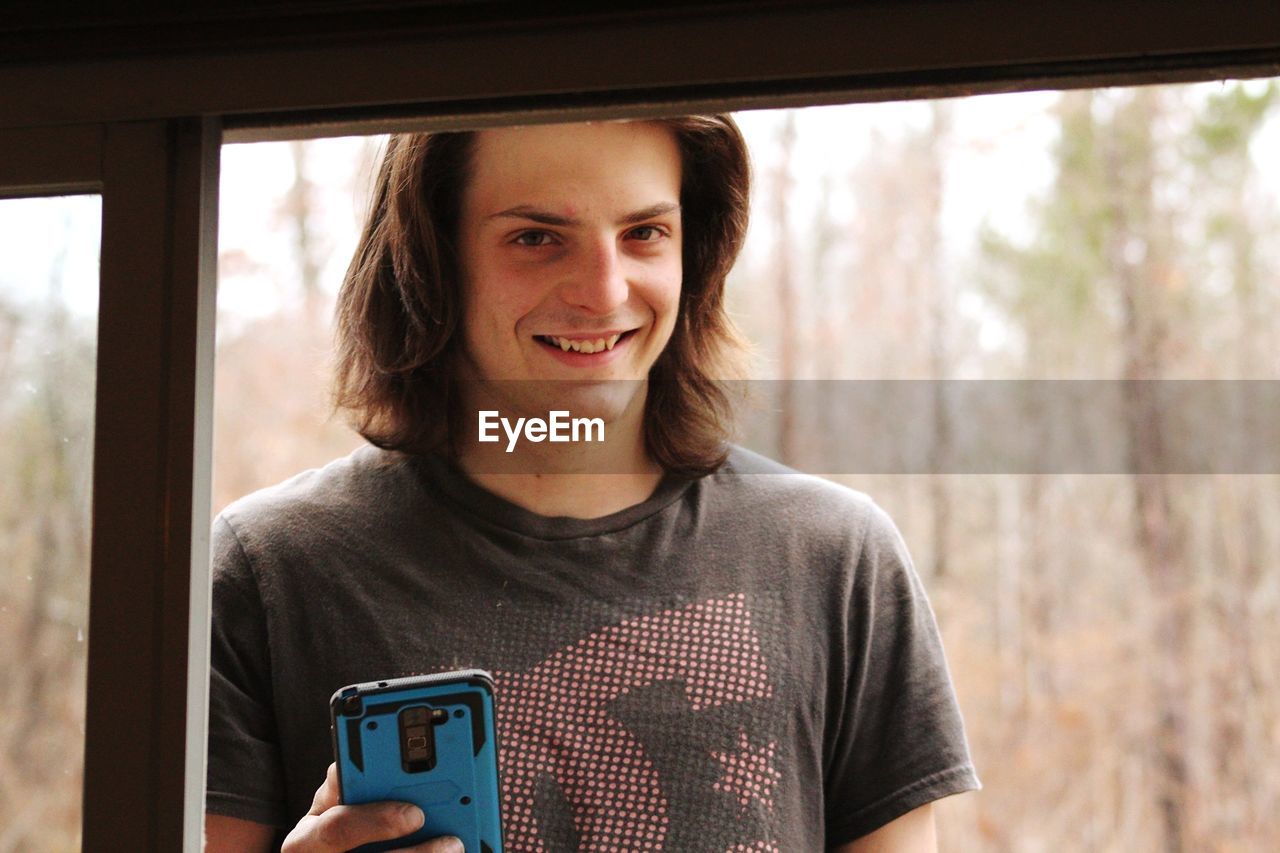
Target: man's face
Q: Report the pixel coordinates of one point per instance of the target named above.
(570, 250)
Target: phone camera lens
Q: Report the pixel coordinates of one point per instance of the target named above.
(353, 706)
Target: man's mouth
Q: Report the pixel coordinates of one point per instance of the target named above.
(584, 345)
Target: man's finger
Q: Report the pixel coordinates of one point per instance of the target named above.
(341, 828)
(448, 844)
(327, 794)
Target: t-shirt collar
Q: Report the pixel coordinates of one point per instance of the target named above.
(443, 476)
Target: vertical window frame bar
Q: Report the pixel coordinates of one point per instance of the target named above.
(149, 587)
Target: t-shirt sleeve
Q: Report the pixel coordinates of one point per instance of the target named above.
(897, 740)
(245, 779)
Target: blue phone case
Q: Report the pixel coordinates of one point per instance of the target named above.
(429, 740)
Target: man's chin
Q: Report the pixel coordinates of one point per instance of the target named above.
(610, 400)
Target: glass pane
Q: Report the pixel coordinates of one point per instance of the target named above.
(289, 219)
(48, 343)
(1114, 637)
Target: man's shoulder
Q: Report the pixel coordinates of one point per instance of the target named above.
(749, 471)
(359, 481)
(822, 521)
(762, 487)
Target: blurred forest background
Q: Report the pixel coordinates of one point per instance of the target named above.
(1114, 639)
(48, 299)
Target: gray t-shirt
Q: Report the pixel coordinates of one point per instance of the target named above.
(744, 661)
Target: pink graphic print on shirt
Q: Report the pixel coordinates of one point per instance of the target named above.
(554, 720)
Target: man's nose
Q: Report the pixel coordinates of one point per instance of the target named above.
(598, 283)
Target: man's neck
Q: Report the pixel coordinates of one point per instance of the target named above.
(572, 495)
(578, 481)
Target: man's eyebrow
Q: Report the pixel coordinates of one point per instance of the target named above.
(527, 211)
(652, 212)
(546, 217)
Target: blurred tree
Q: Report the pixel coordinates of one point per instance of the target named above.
(790, 338)
(934, 143)
(298, 211)
(1103, 239)
(1108, 288)
(1140, 252)
(272, 381)
(9, 319)
(1235, 225)
(46, 416)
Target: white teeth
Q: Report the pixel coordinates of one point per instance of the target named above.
(598, 345)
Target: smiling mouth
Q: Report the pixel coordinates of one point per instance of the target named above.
(586, 346)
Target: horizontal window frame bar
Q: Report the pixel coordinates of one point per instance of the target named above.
(781, 50)
(57, 161)
(779, 94)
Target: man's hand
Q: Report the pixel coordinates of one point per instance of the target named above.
(333, 828)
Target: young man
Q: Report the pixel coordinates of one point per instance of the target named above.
(694, 648)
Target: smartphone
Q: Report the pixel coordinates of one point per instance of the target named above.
(430, 740)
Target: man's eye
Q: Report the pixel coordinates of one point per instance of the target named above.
(647, 233)
(534, 238)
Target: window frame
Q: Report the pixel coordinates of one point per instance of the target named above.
(144, 128)
(144, 730)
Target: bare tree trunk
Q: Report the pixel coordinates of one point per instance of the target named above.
(1238, 742)
(788, 333)
(1137, 260)
(49, 499)
(939, 336)
(1038, 596)
(299, 207)
(1011, 551)
(9, 324)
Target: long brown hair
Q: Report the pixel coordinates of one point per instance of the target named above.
(399, 310)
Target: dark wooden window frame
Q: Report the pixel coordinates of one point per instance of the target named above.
(137, 109)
